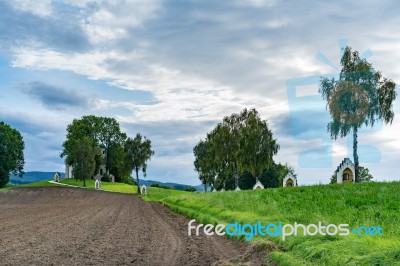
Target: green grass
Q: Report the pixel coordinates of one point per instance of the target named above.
(369, 204)
(109, 186)
(36, 184)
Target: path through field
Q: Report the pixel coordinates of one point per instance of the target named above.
(70, 226)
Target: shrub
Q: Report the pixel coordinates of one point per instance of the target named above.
(106, 178)
(190, 189)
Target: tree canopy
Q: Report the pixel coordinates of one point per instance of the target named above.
(11, 153)
(361, 96)
(138, 151)
(121, 156)
(84, 154)
(241, 143)
(103, 132)
(203, 163)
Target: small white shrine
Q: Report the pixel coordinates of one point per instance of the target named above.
(289, 180)
(258, 185)
(97, 183)
(143, 189)
(57, 177)
(345, 172)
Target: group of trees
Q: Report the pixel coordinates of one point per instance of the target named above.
(11, 153)
(87, 138)
(239, 147)
(361, 96)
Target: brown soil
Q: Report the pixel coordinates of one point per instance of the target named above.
(71, 226)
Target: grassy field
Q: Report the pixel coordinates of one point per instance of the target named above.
(366, 204)
(109, 186)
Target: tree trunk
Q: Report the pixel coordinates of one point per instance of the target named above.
(83, 176)
(137, 180)
(205, 187)
(356, 164)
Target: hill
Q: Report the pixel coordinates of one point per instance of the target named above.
(176, 186)
(32, 177)
(361, 206)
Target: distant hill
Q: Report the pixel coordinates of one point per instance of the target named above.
(37, 176)
(168, 184)
(31, 177)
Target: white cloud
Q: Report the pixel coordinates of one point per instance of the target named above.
(112, 20)
(259, 3)
(40, 8)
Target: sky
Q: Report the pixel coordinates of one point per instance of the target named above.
(172, 70)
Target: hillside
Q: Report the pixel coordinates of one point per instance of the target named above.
(176, 186)
(364, 204)
(37, 176)
(32, 177)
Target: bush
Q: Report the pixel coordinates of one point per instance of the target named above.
(190, 189)
(128, 180)
(159, 186)
(4, 179)
(106, 178)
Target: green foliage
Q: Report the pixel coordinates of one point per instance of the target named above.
(128, 180)
(106, 178)
(11, 153)
(333, 178)
(116, 162)
(365, 176)
(361, 96)
(273, 177)
(138, 152)
(190, 189)
(159, 186)
(241, 143)
(256, 144)
(204, 162)
(84, 154)
(102, 131)
(356, 204)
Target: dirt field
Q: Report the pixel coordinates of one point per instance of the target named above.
(70, 226)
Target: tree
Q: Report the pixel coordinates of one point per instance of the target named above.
(365, 176)
(84, 154)
(241, 143)
(333, 178)
(256, 144)
(116, 162)
(203, 163)
(138, 151)
(102, 131)
(226, 140)
(110, 137)
(273, 176)
(360, 96)
(11, 153)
